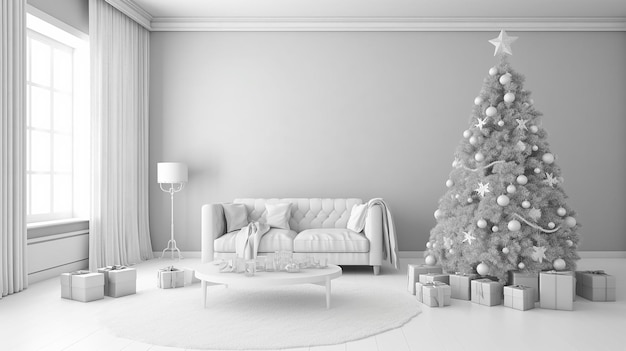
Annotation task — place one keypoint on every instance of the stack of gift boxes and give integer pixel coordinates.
(552, 289)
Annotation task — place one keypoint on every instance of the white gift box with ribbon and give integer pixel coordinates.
(486, 292)
(519, 297)
(170, 277)
(556, 290)
(414, 271)
(82, 286)
(119, 280)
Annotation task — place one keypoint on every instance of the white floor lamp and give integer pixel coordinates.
(174, 174)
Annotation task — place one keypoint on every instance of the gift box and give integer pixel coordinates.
(595, 285)
(460, 283)
(519, 297)
(435, 277)
(119, 280)
(419, 293)
(556, 290)
(413, 272)
(436, 294)
(82, 286)
(486, 292)
(170, 277)
(528, 279)
(190, 276)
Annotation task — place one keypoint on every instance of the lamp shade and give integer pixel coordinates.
(171, 172)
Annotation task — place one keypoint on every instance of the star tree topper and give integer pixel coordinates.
(503, 43)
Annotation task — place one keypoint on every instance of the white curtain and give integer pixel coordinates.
(119, 231)
(13, 270)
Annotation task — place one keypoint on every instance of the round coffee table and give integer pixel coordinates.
(209, 273)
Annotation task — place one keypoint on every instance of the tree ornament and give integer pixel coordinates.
(547, 158)
(520, 146)
(456, 163)
(478, 100)
(495, 229)
(561, 211)
(491, 111)
(430, 260)
(511, 189)
(514, 225)
(500, 123)
(535, 147)
(539, 253)
(468, 237)
(537, 170)
(503, 44)
(479, 157)
(550, 180)
(482, 189)
(505, 79)
(521, 123)
(493, 71)
(473, 140)
(559, 264)
(437, 213)
(482, 269)
(509, 97)
(522, 179)
(434, 245)
(449, 183)
(481, 223)
(526, 204)
(503, 200)
(521, 265)
(551, 225)
(569, 242)
(534, 129)
(470, 200)
(481, 122)
(429, 245)
(534, 214)
(451, 251)
(447, 242)
(505, 250)
(570, 221)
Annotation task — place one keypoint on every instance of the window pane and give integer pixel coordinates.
(40, 63)
(62, 153)
(40, 151)
(62, 112)
(62, 70)
(40, 108)
(40, 195)
(62, 193)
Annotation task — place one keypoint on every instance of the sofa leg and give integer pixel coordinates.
(376, 270)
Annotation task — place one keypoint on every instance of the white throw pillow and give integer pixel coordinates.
(357, 218)
(236, 216)
(278, 215)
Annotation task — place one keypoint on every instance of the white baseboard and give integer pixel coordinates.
(56, 271)
(582, 254)
(185, 254)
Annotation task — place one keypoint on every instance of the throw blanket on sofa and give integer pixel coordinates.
(390, 242)
(248, 239)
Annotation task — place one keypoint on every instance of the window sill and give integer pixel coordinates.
(62, 226)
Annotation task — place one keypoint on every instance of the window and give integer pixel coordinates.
(57, 137)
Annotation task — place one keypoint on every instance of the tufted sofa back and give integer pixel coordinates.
(306, 213)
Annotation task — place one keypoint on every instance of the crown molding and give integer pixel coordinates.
(393, 24)
(134, 11)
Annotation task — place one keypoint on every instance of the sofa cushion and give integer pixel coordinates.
(330, 240)
(274, 240)
(236, 216)
(278, 215)
(357, 218)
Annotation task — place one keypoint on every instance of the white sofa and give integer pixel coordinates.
(317, 227)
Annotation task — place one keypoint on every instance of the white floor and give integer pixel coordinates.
(38, 319)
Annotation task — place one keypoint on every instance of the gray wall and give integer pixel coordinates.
(374, 115)
(72, 12)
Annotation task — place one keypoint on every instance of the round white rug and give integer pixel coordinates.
(268, 318)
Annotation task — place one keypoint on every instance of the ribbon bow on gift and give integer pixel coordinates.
(440, 293)
(115, 267)
(522, 287)
(79, 272)
(599, 272)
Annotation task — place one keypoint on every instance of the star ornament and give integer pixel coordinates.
(503, 44)
(551, 180)
(521, 124)
(539, 253)
(482, 189)
(468, 237)
(481, 122)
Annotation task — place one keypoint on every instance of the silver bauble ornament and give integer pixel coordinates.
(500, 123)
(482, 269)
(511, 189)
(537, 170)
(547, 158)
(570, 221)
(559, 264)
(467, 133)
(561, 211)
(491, 111)
(437, 213)
(478, 100)
(526, 204)
(505, 79)
(503, 200)
(505, 250)
(449, 183)
(481, 223)
(533, 129)
(495, 229)
(521, 265)
(429, 245)
(479, 157)
(493, 71)
(514, 225)
(569, 242)
(551, 225)
(473, 140)
(535, 147)
(430, 260)
(509, 97)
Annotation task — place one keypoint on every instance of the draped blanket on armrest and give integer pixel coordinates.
(248, 239)
(390, 242)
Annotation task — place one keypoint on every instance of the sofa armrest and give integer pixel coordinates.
(213, 226)
(374, 233)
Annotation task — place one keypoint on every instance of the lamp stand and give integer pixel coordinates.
(171, 244)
